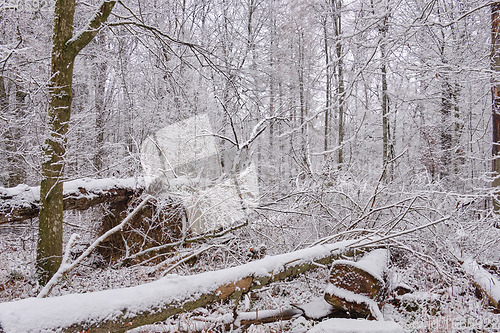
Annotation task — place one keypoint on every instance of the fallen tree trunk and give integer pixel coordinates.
(122, 309)
(23, 202)
(486, 283)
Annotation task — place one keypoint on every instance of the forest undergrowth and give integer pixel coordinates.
(322, 208)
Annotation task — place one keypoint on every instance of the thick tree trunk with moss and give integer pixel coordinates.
(495, 94)
(65, 47)
(49, 248)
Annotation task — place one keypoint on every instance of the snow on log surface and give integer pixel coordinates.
(22, 202)
(485, 281)
(316, 309)
(351, 302)
(341, 325)
(373, 263)
(122, 309)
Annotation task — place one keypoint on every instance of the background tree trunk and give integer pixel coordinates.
(337, 7)
(100, 76)
(495, 94)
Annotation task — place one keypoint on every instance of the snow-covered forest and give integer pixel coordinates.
(250, 165)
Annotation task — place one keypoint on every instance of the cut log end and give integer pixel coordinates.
(355, 279)
(354, 287)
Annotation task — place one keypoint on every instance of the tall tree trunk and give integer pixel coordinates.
(458, 150)
(64, 50)
(446, 130)
(386, 132)
(49, 249)
(328, 94)
(495, 94)
(17, 170)
(100, 76)
(337, 6)
(303, 107)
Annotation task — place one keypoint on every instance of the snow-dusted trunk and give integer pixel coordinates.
(65, 47)
(495, 94)
(484, 281)
(337, 5)
(16, 169)
(386, 150)
(49, 249)
(328, 94)
(100, 76)
(22, 202)
(122, 309)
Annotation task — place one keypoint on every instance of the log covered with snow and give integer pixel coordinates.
(355, 286)
(122, 309)
(487, 284)
(23, 202)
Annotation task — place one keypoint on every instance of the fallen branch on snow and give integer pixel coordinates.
(122, 309)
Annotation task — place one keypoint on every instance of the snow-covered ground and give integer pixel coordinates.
(436, 303)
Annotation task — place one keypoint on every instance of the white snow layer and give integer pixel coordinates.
(316, 309)
(355, 298)
(484, 279)
(342, 325)
(47, 314)
(23, 195)
(373, 263)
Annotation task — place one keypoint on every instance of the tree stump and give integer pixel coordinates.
(355, 286)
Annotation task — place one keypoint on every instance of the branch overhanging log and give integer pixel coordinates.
(66, 266)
